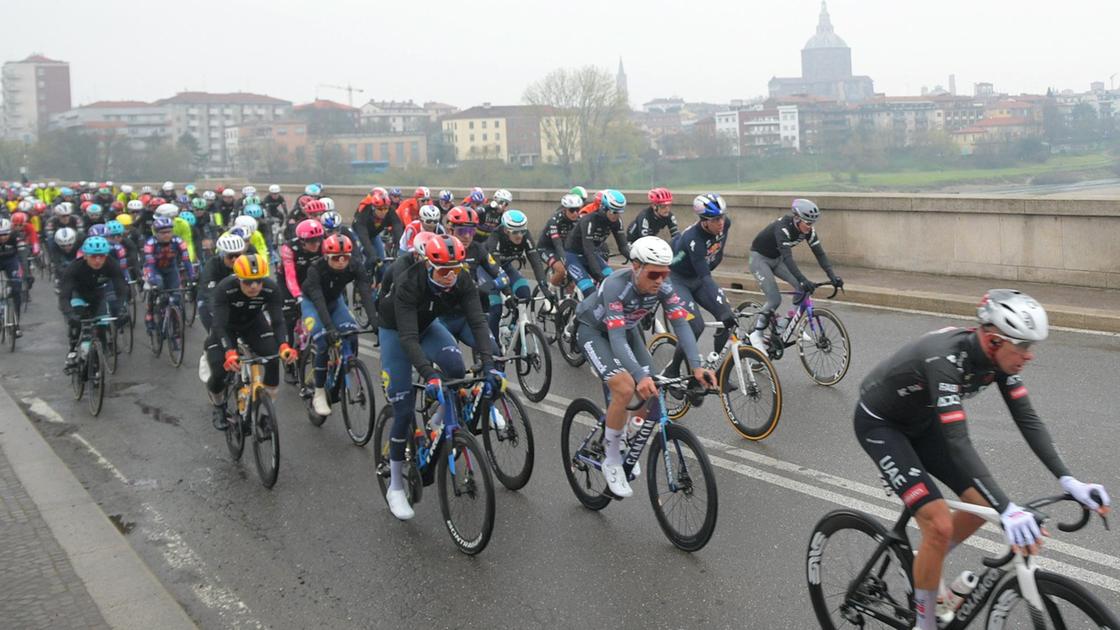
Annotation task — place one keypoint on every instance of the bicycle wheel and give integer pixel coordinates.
(176, 335)
(134, 297)
(305, 370)
(661, 349)
(1067, 604)
(824, 346)
(683, 498)
(12, 317)
(127, 336)
(583, 424)
(752, 401)
(359, 408)
(155, 336)
(77, 379)
(841, 546)
(544, 314)
(112, 350)
(190, 309)
(235, 430)
(509, 448)
(567, 343)
(266, 439)
(534, 369)
(466, 493)
(96, 370)
(359, 312)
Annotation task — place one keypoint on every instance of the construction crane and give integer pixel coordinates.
(349, 89)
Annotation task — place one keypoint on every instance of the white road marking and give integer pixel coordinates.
(40, 408)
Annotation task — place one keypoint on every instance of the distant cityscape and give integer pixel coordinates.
(242, 133)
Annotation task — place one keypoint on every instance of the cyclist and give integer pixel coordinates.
(164, 253)
(306, 208)
(248, 226)
(428, 222)
(446, 201)
(394, 199)
(27, 238)
(373, 218)
(94, 214)
(608, 320)
(104, 196)
(274, 205)
(911, 422)
(772, 255)
(89, 286)
(552, 237)
(296, 258)
(12, 267)
(480, 264)
(116, 251)
(697, 253)
(64, 251)
(167, 191)
(656, 217)
(509, 244)
(225, 207)
(333, 224)
(230, 246)
(475, 199)
(585, 264)
(409, 210)
(114, 233)
(246, 306)
(412, 337)
(490, 215)
(325, 313)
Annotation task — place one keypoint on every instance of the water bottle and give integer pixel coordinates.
(713, 357)
(85, 348)
(632, 426)
(949, 601)
(784, 321)
(497, 418)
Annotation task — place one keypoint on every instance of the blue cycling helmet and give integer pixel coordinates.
(477, 196)
(313, 189)
(95, 246)
(162, 223)
(94, 209)
(97, 229)
(709, 206)
(237, 231)
(189, 218)
(613, 201)
(395, 192)
(66, 191)
(116, 228)
(445, 195)
(183, 199)
(515, 221)
(190, 188)
(331, 220)
(254, 211)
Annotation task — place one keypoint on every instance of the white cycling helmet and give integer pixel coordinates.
(52, 184)
(248, 190)
(109, 183)
(228, 192)
(328, 202)
(64, 209)
(651, 250)
(135, 205)
(168, 210)
(65, 237)
(230, 244)
(571, 202)
(126, 189)
(209, 195)
(247, 223)
(168, 186)
(145, 190)
(274, 189)
(1015, 314)
(429, 214)
(25, 206)
(503, 196)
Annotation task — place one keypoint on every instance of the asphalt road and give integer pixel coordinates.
(322, 550)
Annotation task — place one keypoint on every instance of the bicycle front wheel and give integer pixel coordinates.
(661, 349)
(534, 367)
(112, 349)
(11, 317)
(96, 370)
(751, 393)
(508, 438)
(266, 439)
(126, 337)
(824, 346)
(176, 336)
(843, 543)
(466, 494)
(359, 408)
(682, 488)
(190, 308)
(77, 378)
(235, 430)
(581, 443)
(565, 327)
(1066, 604)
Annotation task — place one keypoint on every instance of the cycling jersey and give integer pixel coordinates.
(213, 273)
(919, 391)
(81, 280)
(697, 252)
(368, 227)
(589, 235)
(233, 310)
(410, 232)
(182, 230)
(119, 253)
(409, 210)
(506, 252)
(225, 212)
(159, 257)
(295, 261)
(489, 219)
(778, 239)
(649, 223)
(56, 223)
(556, 229)
(324, 285)
(274, 206)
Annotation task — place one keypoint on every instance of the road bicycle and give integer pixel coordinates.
(348, 384)
(566, 324)
(749, 388)
(680, 478)
(190, 301)
(441, 449)
(168, 325)
(252, 414)
(90, 374)
(821, 338)
(524, 343)
(9, 316)
(860, 575)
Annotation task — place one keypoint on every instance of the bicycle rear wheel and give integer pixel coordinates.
(581, 440)
(682, 489)
(176, 335)
(77, 378)
(155, 335)
(305, 370)
(1066, 603)
(235, 430)
(661, 349)
(510, 447)
(96, 370)
(112, 350)
(567, 342)
(266, 439)
(190, 308)
(359, 407)
(840, 547)
(466, 493)
(534, 369)
(11, 317)
(824, 346)
(127, 336)
(752, 399)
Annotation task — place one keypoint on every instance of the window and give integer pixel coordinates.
(353, 150)
(369, 152)
(471, 124)
(400, 152)
(472, 137)
(281, 131)
(497, 123)
(484, 124)
(484, 137)
(415, 151)
(385, 151)
(497, 136)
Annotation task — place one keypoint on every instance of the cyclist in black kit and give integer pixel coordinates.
(911, 422)
(551, 241)
(585, 261)
(658, 216)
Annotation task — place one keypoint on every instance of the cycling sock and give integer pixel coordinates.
(612, 439)
(925, 603)
(396, 475)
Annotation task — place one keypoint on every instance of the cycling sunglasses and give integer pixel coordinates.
(657, 275)
(463, 231)
(341, 257)
(1021, 344)
(251, 283)
(444, 272)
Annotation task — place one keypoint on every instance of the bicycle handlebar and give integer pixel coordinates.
(676, 382)
(1034, 506)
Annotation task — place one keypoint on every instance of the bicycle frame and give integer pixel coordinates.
(638, 442)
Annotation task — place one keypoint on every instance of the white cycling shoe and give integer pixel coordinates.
(398, 504)
(758, 341)
(616, 481)
(319, 402)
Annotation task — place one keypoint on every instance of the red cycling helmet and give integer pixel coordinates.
(39, 207)
(462, 216)
(314, 207)
(85, 204)
(337, 244)
(309, 229)
(660, 197)
(422, 193)
(117, 206)
(85, 197)
(19, 219)
(379, 198)
(445, 251)
(156, 202)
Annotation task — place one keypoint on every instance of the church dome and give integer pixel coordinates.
(825, 36)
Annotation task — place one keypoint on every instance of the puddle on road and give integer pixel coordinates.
(123, 526)
(132, 388)
(158, 414)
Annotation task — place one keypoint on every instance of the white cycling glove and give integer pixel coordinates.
(1080, 491)
(1019, 526)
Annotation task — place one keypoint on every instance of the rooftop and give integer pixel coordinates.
(825, 36)
(115, 104)
(324, 104)
(500, 111)
(39, 58)
(207, 98)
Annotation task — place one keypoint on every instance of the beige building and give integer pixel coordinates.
(517, 134)
(394, 150)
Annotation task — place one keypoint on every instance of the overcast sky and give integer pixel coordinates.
(467, 52)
